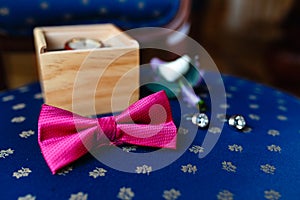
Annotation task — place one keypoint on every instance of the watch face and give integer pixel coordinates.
(83, 43)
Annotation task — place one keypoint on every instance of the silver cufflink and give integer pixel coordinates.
(237, 121)
(199, 119)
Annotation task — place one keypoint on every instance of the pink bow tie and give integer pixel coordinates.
(64, 137)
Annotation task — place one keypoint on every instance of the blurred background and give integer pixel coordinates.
(253, 39)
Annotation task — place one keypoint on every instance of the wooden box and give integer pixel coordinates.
(88, 81)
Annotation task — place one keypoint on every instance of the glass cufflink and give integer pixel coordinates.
(199, 119)
(237, 121)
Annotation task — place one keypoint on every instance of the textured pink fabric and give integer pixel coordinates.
(64, 137)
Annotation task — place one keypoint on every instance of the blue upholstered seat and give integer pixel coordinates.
(20, 17)
(261, 162)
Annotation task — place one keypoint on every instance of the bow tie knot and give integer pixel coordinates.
(108, 127)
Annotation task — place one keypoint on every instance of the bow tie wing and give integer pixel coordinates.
(148, 122)
(153, 109)
(60, 140)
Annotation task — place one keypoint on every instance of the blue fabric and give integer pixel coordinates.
(20, 17)
(260, 163)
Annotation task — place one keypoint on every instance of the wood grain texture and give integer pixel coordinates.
(91, 81)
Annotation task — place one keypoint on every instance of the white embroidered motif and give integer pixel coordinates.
(27, 197)
(6, 153)
(235, 147)
(225, 195)
(254, 117)
(8, 98)
(26, 134)
(183, 131)
(222, 117)
(129, 149)
(79, 196)
(254, 106)
(24, 172)
(214, 130)
(65, 171)
(224, 106)
(281, 101)
(44, 5)
(196, 149)
(38, 96)
(19, 106)
(4, 11)
(97, 172)
(252, 97)
(282, 108)
(272, 195)
(189, 168)
(268, 169)
(85, 2)
(125, 193)
(232, 88)
(273, 132)
(102, 10)
(274, 148)
(228, 166)
(19, 119)
(144, 169)
(141, 5)
(23, 89)
(171, 194)
(282, 118)
(228, 95)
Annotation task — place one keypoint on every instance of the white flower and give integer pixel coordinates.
(214, 130)
(224, 106)
(5, 153)
(125, 193)
(19, 106)
(254, 117)
(65, 171)
(274, 148)
(171, 194)
(97, 172)
(129, 149)
(228, 166)
(27, 197)
(268, 169)
(272, 195)
(273, 132)
(38, 96)
(235, 147)
(225, 195)
(196, 149)
(282, 118)
(26, 134)
(79, 196)
(8, 98)
(144, 169)
(254, 106)
(18, 119)
(282, 108)
(22, 173)
(189, 168)
(183, 131)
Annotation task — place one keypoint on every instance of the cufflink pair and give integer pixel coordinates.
(201, 120)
